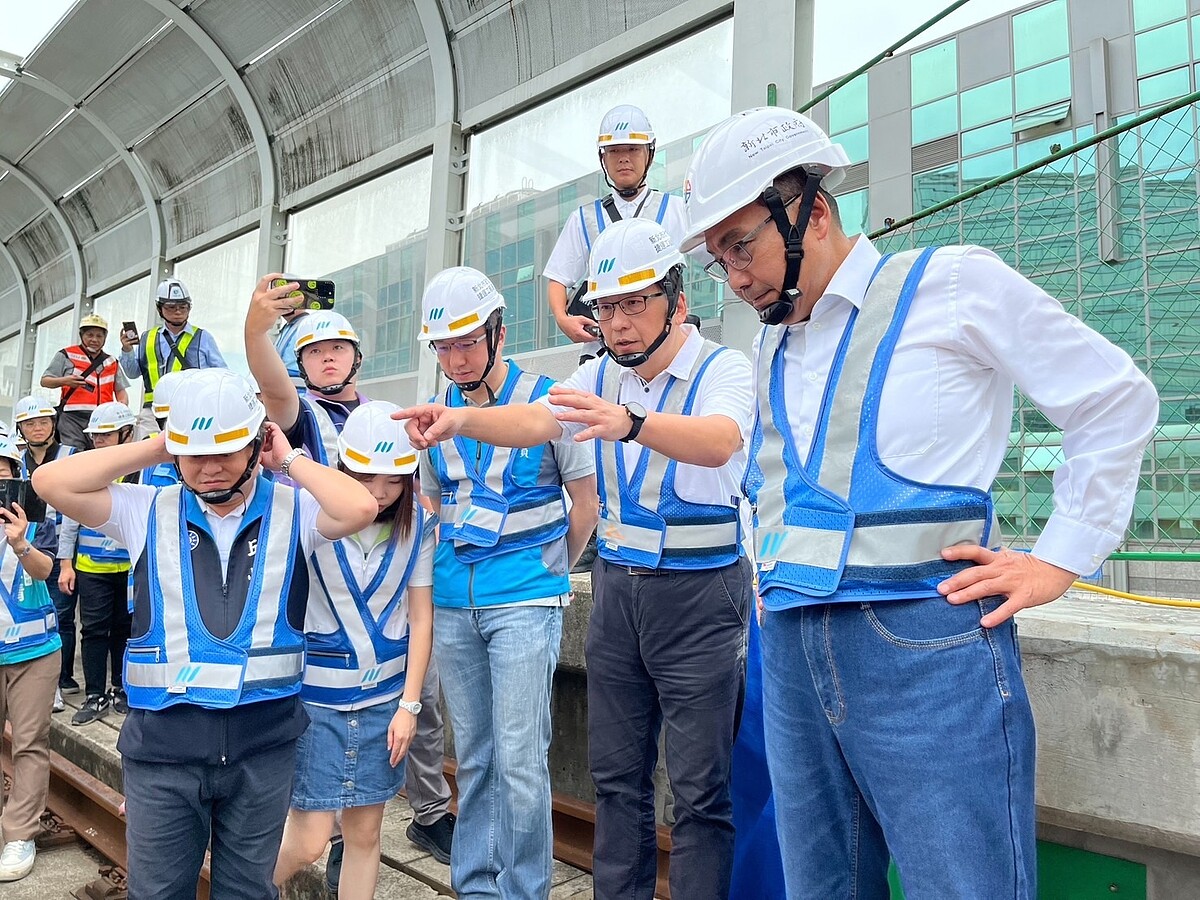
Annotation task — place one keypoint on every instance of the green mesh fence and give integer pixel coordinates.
(1110, 225)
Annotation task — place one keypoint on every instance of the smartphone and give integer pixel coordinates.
(314, 293)
(16, 490)
(129, 329)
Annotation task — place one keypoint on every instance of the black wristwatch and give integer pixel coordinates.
(637, 415)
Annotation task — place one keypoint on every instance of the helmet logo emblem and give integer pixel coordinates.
(435, 314)
(202, 423)
(385, 446)
(606, 265)
(622, 126)
(687, 189)
(322, 325)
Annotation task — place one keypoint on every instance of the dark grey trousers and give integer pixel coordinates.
(665, 650)
(174, 811)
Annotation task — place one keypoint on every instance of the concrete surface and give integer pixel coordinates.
(56, 873)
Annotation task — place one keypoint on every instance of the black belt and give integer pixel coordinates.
(637, 570)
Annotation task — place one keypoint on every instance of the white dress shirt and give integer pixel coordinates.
(975, 330)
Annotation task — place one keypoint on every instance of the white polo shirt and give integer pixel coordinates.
(726, 389)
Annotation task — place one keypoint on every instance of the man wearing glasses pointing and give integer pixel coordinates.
(666, 643)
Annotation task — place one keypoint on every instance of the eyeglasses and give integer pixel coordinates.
(443, 348)
(176, 304)
(736, 256)
(631, 306)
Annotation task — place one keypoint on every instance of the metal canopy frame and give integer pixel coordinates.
(768, 35)
(47, 201)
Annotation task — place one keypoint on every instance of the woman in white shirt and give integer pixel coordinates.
(368, 635)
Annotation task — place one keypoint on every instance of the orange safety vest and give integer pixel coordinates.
(103, 380)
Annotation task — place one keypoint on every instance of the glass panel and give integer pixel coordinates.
(684, 89)
(848, 106)
(9, 351)
(853, 210)
(126, 304)
(1040, 35)
(987, 103)
(934, 186)
(1169, 142)
(987, 137)
(1030, 151)
(1162, 48)
(371, 242)
(221, 281)
(990, 165)
(1161, 88)
(855, 143)
(1043, 85)
(52, 336)
(1148, 13)
(935, 120)
(934, 72)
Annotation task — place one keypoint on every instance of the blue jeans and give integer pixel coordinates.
(497, 667)
(900, 728)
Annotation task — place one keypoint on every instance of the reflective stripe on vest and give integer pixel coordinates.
(21, 627)
(487, 512)
(102, 380)
(593, 219)
(359, 662)
(327, 450)
(155, 370)
(179, 660)
(95, 547)
(842, 526)
(643, 520)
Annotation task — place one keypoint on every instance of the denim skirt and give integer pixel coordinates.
(342, 759)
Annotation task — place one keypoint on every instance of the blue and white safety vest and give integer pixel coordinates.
(643, 520)
(495, 516)
(321, 424)
(359, 665)
(160, 475)
(98, 548)
(178, 660)
(593, 219)
(841, 526)
(21, 627)
(487, 510)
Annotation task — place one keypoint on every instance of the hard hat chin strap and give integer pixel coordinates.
(628, 193)
(216, 498)
(330, 389)
(671, 285)
(793, 245)
(492, 329)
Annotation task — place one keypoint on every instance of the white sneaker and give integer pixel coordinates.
(58, 706)
(17, 860)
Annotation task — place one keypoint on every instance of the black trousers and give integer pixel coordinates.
(64, 608)
(104, 624)
(665, 650)
(174, 810)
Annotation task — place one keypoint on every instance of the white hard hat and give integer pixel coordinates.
(33, 408)
(374, 443)
(457, 301)
(111, 416)
(213, 411)
(165, 389)
(740, 158)
(93, 320)
(172, 289)
(324, 325)
(8, 450)
(624, 124)
(628, 255)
